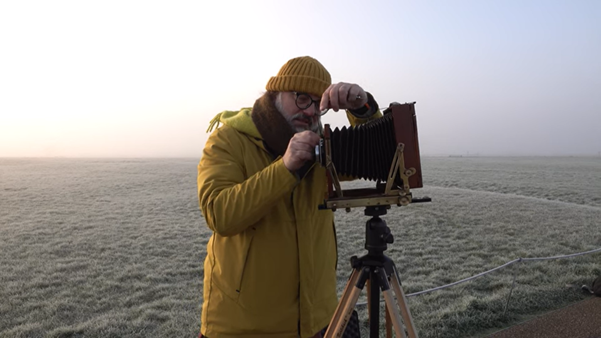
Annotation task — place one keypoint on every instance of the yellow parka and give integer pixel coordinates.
(270, 268)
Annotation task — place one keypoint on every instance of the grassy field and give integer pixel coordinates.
(114, 248)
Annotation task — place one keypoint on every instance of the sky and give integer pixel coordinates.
(144, 78)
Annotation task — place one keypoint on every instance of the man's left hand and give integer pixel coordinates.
(343, 95)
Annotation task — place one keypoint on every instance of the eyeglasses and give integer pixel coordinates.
(304, 101)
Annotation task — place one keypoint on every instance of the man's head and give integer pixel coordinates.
(300, 84)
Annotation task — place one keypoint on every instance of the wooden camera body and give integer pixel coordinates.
(385, 150)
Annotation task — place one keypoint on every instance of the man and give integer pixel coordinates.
(270, 269)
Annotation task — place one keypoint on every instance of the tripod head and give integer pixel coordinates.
(377, 233)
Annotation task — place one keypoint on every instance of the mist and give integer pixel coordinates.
(144, 80)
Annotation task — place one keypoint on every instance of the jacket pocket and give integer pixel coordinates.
(230, 256)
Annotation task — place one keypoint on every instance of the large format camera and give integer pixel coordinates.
(385, 150)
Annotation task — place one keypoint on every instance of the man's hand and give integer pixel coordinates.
(343, 96)
(301, 149)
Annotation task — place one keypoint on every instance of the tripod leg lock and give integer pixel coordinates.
(382, 278)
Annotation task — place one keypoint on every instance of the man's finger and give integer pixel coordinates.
(308, 134)
(343, 95)
(355, 93)
(334, 101)
(325, 99)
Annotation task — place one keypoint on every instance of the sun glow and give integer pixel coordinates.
(112, 78)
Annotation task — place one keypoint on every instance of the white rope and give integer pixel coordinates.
(494, 269)
(564, 256)
(463, 280)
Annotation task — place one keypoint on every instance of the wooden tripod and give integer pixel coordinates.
(380, 273)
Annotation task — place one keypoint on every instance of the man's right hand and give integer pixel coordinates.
(301, 149)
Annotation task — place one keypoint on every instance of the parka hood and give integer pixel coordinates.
(240, 120)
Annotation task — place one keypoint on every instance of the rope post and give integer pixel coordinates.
(512, 287)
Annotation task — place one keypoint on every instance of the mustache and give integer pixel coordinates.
(312, 122)
(303, 117)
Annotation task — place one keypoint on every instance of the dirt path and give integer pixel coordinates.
(580, 320)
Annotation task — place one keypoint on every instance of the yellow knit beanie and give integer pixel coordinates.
(301, 74)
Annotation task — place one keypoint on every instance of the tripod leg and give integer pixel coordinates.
(388, 324)
(391, 305)
(394, 313)
(402, 302)
(344, 298)
(348, 300)
(368, 301)
(374, 305)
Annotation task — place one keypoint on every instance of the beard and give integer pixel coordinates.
(312, 124)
